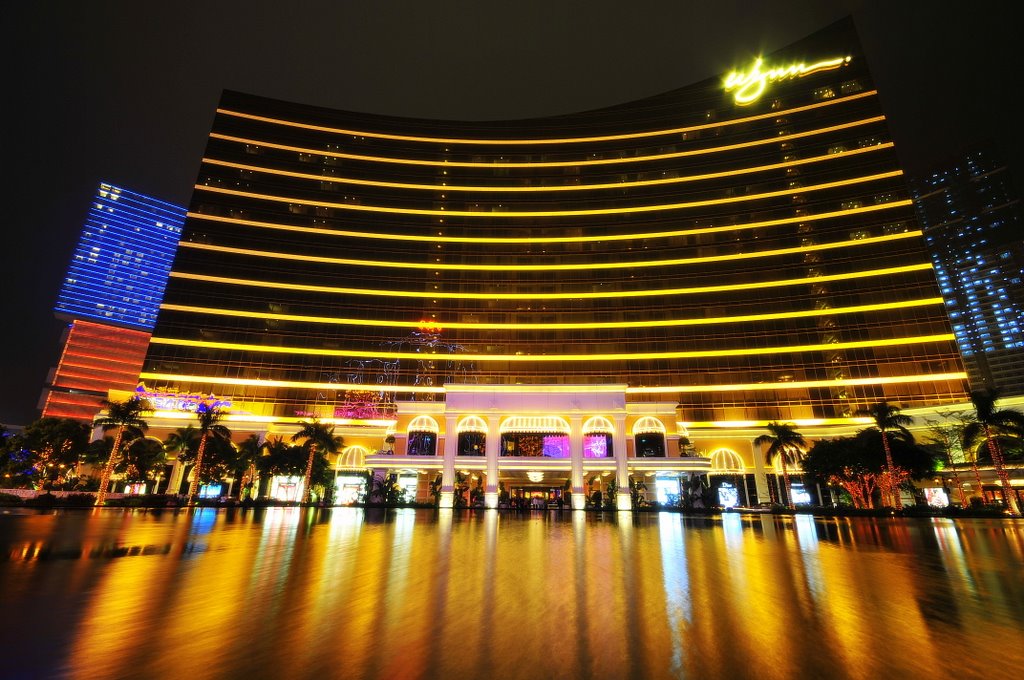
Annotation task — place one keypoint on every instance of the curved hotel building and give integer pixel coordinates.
(554, 303)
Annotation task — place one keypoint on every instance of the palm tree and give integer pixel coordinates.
(887, 418)
(209, 417)
(279, 458)
(991, 424)
(249, 453)
(126, 416)
(319, 437)
(788, 444)
(945, 437)
(141, 459)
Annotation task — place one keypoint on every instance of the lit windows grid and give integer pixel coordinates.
(460, 188)
(120, 266)
(500, 157)
(694, 248)
(737, 301)
(316, 194)
(658, 371)
(973, 233)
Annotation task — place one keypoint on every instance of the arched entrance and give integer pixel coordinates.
(472, 434)
(728, 478)
(422, 439)
(535, 437)
(649, 438)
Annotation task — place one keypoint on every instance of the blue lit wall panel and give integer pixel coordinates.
(120, 267)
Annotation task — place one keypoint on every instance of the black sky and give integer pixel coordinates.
(124, 92)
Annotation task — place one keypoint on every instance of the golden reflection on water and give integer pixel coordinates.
(347, 593)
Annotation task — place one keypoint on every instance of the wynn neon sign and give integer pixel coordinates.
(750, 85)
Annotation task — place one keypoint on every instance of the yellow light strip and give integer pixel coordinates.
(662, 323)
(174, 378)
(551, 164)
(564, 140)
(553, 239)
(249, 382)
(799, 385)
(339, 290)
(551, 213)
(252, 418)
(544, 189)
(751, 424)
(612, 356)
(391, 264)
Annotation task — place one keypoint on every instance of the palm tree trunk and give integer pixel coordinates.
(101, 495)
(194, 486)
(785, 482)
(977, 475)
(309, 474)
(1009, 498)
(956, 480)
(960, 490)
(889, 472)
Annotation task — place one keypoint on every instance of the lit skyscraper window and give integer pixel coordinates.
(971, 219)
(119, 269)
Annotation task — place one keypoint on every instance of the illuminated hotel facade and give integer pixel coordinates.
(563, 301)
(110, 298)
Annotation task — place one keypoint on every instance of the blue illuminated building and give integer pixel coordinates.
(120, 267)
(970, 213)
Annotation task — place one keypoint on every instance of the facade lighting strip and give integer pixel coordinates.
(442, 238)
(551, 213)
(799, 384)
(338, 290)
(552, 140)
(545, 189)
(174, 378)
(588, 266)
(586, 358)
(660, 323)
(545, 164)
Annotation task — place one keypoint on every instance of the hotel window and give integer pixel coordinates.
(850, 86)
(422, 444)
(649, 445)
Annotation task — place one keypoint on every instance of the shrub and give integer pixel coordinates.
(78, 500)
(9, 499)
(45, 500)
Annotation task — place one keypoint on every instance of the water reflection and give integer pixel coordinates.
(304, 593)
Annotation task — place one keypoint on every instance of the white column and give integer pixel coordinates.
(760, 477)
(174, 481)
(451, 446)
(622, 499)
(579, 497)
(492, 447)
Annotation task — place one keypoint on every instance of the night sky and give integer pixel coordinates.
(125, 92)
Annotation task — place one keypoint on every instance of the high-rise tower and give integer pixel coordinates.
(639, 282)
(110, 297)
(972, 224)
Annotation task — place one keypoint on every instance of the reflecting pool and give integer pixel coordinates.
(348, 593)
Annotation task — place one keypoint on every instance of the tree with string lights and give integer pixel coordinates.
(208, 416)
(992, 424)
(317, 438)
(127, 417)
(889, 421)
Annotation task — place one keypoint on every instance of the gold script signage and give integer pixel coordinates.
(749, 85)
